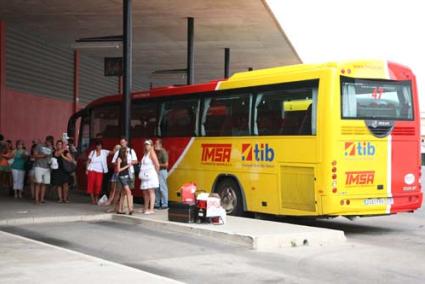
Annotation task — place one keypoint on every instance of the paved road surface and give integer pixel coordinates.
(388, 249)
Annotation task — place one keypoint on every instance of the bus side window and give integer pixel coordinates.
(287, 111)
(179, 118)
(105, 121)
(84, 139)
(226, 116)
(144, 120)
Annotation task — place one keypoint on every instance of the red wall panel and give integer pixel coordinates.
(31, 117)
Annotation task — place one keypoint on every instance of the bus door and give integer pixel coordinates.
(178, 123)
(79, 126)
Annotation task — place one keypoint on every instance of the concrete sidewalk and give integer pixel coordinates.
(251, 233)
(25, 211)
(27, 261)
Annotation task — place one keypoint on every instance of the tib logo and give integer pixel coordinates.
(257, 152)
(359, 149)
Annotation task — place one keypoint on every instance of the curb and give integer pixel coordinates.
(238, 239)
(55, 219)
(310, 236)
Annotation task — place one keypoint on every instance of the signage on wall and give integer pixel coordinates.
(113, 66)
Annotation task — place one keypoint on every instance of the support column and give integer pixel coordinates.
(226, 62)
(2, 77)
(190, 54)
(127, 67)
(76, 97)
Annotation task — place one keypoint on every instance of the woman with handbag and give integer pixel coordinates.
(61, 176)
(97, 165)
(149, 168)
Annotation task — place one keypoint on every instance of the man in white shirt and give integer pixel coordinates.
(131, 158)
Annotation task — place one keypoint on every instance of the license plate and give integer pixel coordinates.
(378, 201)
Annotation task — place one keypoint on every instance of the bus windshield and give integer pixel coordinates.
(376, 99)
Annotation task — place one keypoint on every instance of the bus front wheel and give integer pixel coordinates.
(231, 198)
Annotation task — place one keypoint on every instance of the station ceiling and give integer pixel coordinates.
(247, 27)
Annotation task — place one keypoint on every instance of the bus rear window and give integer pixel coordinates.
(376, 99)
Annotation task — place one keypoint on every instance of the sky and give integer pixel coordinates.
(330, 30)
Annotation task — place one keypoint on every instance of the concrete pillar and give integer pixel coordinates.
(2, 77)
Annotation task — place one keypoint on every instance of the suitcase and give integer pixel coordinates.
(187, 193)
(181, 212)
(125, 205)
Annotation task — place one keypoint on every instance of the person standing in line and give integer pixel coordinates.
(30, 169)
(149, 168)
(113, 194)
(74, 153)
(5, 172)
(123, 171)
(20, 156)
(42, 154)
(131, 159)
(97, 165)
(60, 177)
(161, 199)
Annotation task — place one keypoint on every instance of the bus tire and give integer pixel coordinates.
(231, 197)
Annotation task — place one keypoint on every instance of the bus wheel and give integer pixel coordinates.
(231, 198)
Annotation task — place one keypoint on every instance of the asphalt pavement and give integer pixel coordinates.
(388, 249)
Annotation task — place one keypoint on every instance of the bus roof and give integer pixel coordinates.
(378, 69)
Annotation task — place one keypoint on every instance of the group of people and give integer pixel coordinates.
(51, 164)
(46, 164)
(151, 170)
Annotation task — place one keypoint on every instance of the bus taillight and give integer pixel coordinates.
(334, 184)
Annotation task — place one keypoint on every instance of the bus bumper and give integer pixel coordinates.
(362, 205)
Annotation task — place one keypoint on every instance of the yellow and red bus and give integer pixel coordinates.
(333, 139)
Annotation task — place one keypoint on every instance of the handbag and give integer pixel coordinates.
(29, 164)
(145, 174)
(54, 165)
(136, 169)
(69, 167)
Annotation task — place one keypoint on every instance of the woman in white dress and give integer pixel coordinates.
(149, 168)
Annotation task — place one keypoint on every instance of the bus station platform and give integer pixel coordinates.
(251, 233)
(25, 260)
(247, 232)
